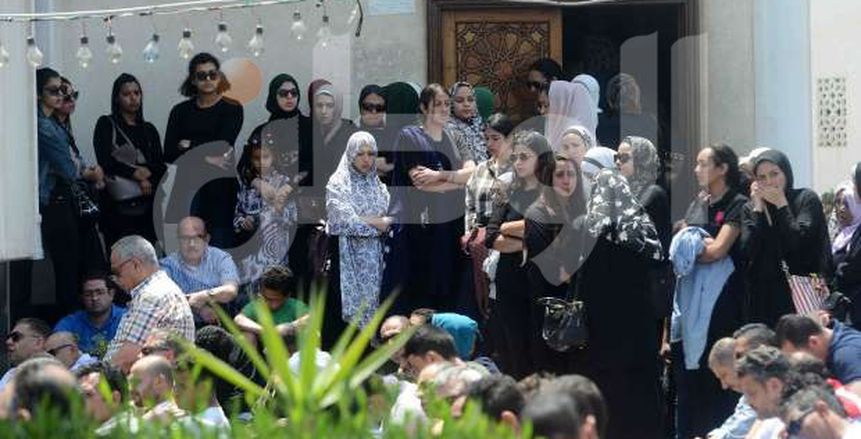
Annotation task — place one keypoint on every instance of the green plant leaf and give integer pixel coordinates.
(223, 369)
(239, 337)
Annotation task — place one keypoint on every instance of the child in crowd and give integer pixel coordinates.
(288, 313)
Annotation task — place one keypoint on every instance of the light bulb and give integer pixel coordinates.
(223, 39)
(324, 32)
(34, 55)
(84, 54)
(185, 46)
(298, 27)
(4, 55)
(256, 43)
(150, 51)
(114, 51)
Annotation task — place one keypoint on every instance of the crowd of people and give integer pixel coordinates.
(467, 219)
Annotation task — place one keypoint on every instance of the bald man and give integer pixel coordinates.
(151, 383)
(205, 274)
(64, 347)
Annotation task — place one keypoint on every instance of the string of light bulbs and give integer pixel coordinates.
(185, 46)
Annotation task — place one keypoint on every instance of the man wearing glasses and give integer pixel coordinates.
(64, 347)
(96, 324)
(26, 341)
(815, 413)
(157, 302)
(205, 274)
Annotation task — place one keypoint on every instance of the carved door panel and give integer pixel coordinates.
(494, 48)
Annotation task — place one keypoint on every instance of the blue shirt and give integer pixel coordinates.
(91, 339)
(216, 269)
(844, 354)
(54, 156)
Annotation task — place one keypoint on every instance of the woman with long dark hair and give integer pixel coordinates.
(208, 119)
(551, 243)
(129, 149)
(57, 173)
(505, 232)
(782, 224)
(719, 210)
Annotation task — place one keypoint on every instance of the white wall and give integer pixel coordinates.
(391, 48)
(19, 198)
(834, 53)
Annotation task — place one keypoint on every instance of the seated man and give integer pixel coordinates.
(499, 398)
(428, 345)
(591, 407)
(199, 397)
(27, 340)
(762, 373)
(553, 415)
(839, 348)
(815, 413)
(391, 328)
(64, 347)
(165, 344)
(152, 384)
(44, 388)
(722, 365)
(108, 413)
(289, 314)
(205, 274)
(752, 336)
(96, 324)
(157, 302)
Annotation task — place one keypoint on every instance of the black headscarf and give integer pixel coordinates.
(372, 89)
(275, 111)
(778, 158)
(122, 80)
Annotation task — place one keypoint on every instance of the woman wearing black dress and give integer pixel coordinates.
(505, 233)
(781, 224)
(129, 149)
(211, 122)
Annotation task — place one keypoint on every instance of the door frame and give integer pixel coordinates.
(688, 105)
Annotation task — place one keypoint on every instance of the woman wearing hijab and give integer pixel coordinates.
(846, 247)
(576, 141)
(402, 108)
(570, 104)
(637, 159)
(782, 224)
(485, 100)
(504, 233)
(619, 244)
(287, 126)
(356, 203)
(129, 150)
(466, 125)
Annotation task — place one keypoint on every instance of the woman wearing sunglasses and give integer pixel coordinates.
(57, 173)
(373, 118)
(504, 233)
(210, 120)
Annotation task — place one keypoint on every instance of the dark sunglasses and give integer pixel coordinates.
(522, 157)
(58, 349)
(560, 174)
(211, 75)
(282, 93)
(534, 85)
(72, 96)
(622, 158)
(374, 108)
(54, 91)
(17, 336)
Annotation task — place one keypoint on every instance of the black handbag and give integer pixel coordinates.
(564, 325)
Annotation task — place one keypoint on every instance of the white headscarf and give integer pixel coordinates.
(351, 195)
(592, 85)
(570, 104)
